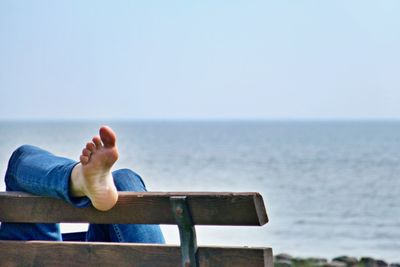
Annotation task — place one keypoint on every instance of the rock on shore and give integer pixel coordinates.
(286, 260)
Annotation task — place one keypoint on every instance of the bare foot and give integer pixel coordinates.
(92, 177)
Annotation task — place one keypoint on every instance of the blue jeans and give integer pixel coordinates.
(36, 171)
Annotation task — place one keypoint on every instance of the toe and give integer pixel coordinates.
(91, 146)
(84, 159)
(86, 152)
(97, 141)
(108, 136)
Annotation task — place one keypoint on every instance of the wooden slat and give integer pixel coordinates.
(42, 253)
(153, 208)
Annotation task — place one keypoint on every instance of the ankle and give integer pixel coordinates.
(76, 182)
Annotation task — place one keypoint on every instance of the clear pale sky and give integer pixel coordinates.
(199, 59)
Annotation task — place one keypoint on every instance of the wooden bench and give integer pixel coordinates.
(183, 209)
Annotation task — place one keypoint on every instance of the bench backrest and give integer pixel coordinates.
(138, 208)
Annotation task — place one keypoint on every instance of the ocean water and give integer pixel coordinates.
(331, 188)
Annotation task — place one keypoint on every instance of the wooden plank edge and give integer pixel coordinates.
(142, 194)
(260, 209)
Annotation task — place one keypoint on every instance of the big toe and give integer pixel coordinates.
(108, 137)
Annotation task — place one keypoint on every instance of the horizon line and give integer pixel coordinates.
(332, 119)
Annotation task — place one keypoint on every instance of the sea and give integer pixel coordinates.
(330, 188)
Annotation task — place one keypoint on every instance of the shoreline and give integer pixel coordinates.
(287, 260)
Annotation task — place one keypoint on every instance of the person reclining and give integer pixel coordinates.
(87, 182)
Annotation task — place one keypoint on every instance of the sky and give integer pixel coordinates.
(332, 59)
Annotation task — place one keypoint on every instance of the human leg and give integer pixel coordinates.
(36, 171)
(39, 172)
(126, 180)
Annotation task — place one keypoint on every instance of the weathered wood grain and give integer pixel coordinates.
(67, 254)
(151, 208)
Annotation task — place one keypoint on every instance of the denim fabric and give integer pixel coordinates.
(36, 171)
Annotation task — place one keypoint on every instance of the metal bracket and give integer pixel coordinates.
(187, 232)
